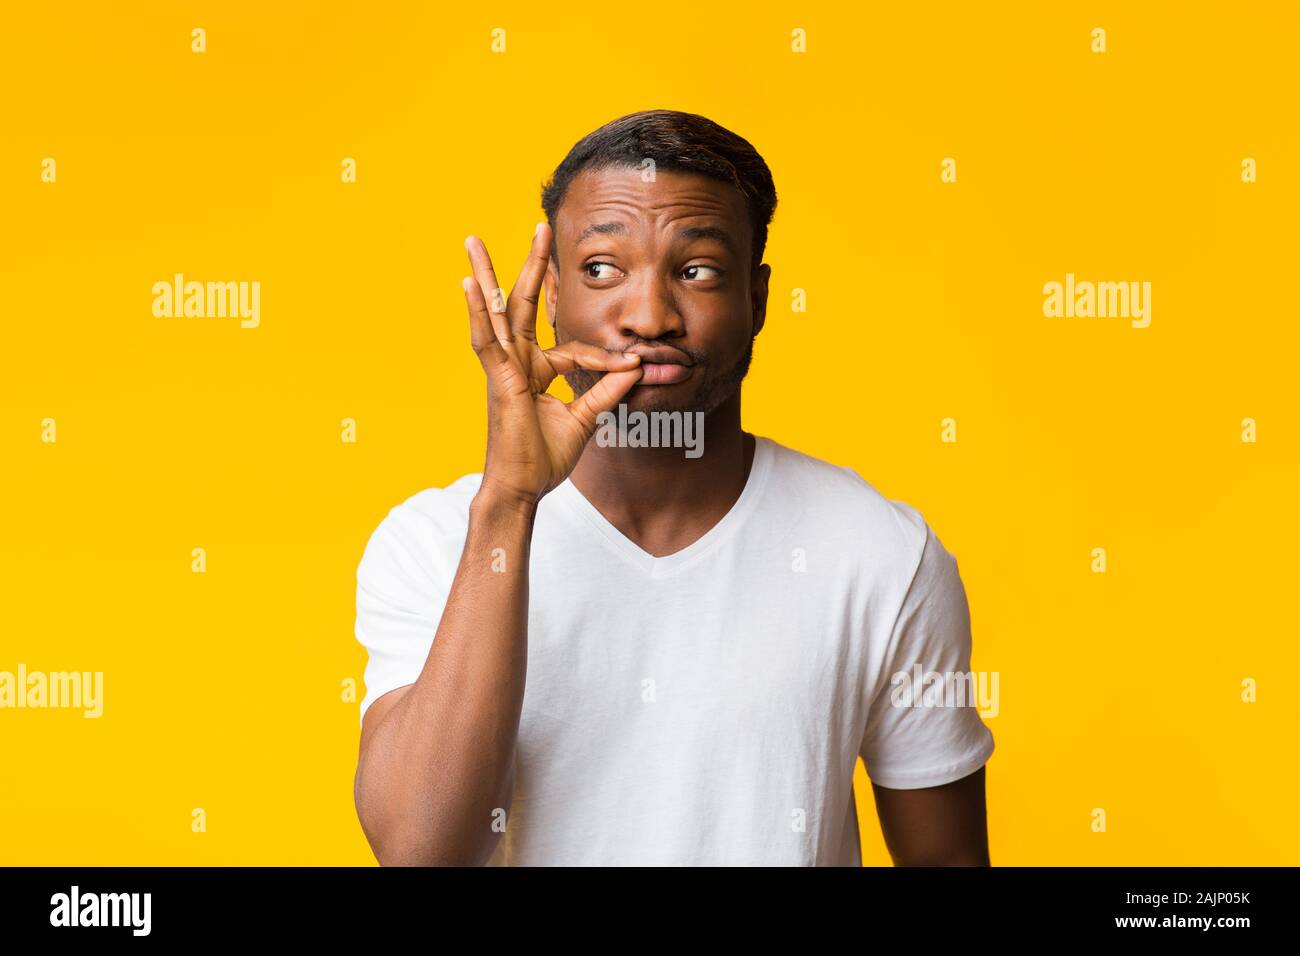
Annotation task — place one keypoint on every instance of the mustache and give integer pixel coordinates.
(697, 357)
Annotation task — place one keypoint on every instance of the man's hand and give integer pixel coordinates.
(534, 439)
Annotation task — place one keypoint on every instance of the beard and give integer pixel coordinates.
(711, 391)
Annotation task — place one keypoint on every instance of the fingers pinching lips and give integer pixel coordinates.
(494, 322)
(575, 355)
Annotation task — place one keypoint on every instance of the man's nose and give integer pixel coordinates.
(653, 313)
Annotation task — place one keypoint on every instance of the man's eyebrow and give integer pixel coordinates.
(708, 232)
(601, 229)
(688, 232)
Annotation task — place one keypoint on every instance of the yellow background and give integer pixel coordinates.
(1119, 691)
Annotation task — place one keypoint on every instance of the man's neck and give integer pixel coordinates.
(662, 500)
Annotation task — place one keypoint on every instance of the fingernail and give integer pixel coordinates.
(464, 283)
(538, 228)
(467, 240)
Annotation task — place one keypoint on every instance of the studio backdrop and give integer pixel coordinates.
(1032, 273)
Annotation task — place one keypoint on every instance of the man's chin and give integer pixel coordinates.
(691, 395)
(662, 398)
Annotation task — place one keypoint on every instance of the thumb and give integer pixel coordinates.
(603, 396)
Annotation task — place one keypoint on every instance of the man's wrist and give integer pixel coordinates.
(493, 501)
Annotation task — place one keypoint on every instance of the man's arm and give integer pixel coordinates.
(437, 756)
(935, 826)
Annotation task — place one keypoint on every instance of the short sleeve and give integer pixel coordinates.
(923, 725)
(403, 580)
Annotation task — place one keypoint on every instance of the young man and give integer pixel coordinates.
(602, 652)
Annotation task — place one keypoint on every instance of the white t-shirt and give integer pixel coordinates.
(707, 707)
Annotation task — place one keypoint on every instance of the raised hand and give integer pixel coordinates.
(534, 439)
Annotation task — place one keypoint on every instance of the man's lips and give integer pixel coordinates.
(662, 366)
(663, 373)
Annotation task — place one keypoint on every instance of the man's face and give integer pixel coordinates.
(662, 268)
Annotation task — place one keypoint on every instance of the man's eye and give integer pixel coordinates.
(693, 272)
(599, 265)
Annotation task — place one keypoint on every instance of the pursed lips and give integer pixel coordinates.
(662, 366)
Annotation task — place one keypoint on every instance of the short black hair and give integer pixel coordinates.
(686, 142)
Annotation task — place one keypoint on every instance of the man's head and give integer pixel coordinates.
(659, 221)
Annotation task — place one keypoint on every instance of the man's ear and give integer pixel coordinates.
(551, 281)
(758, 295)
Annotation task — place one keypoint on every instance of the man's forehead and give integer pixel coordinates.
(601, 194)
(608, 201)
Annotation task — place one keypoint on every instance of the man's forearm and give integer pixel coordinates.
(438, 771)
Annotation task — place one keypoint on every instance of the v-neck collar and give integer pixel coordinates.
(662, 566)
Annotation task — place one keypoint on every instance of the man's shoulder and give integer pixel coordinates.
(847, 499)
(430, 519)
(442, 503)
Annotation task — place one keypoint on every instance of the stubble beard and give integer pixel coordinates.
(715, 390)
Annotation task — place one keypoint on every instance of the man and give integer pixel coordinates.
(601, 652)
